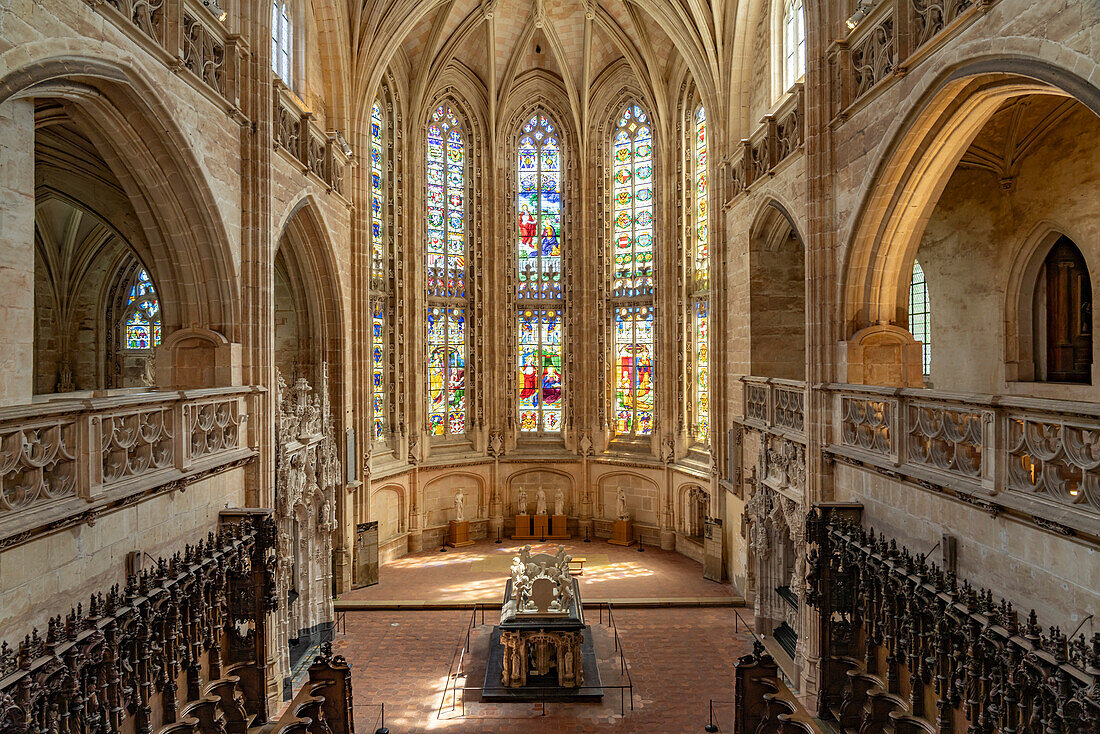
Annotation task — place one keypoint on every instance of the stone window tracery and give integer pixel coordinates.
(920, 316)
(140, 325)
(794, 42)
(539, 277)
(632, 306)
(446, 273)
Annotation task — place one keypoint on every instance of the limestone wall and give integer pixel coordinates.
(1058, 577)
(46, 576)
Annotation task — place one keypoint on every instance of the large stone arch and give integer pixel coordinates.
(189, 247)
(925, 149)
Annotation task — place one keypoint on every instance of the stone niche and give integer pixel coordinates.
(439, 498)
(642, 497)
(531, 480)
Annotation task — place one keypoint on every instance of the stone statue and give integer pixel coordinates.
(540, 501)
(521, 502)
(559, 502)
(620, 505)
(460, 505)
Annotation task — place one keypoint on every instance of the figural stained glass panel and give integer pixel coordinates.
(539, 330)
(632, 193)
(634, 370)
(378, 367)
(702, 372)
(377, 196)
(142, 315)
(446, 371)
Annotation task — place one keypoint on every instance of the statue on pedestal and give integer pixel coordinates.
(540, 501)
(620, 505)
(521, 502)
(559, 502)
(460, 505)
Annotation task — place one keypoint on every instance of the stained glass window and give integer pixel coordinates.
(633, 204)
(634, 370)
(920, 315)
(446, 371)
(538, 237)
(280, 40)
(701, 376)
(378, 366)
(702, 372)
(702, 236)
(446, 274)
(378, 196)
(141, 317)
(632, 285)
(794, 42)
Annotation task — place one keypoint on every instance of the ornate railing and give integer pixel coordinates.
(775, 405)
(63, 459)
(186, 35)
(324, 704)
(324, 155)
(779, 135)
(906, 647)
(1039, 458)
(894, 37)
(180, 646)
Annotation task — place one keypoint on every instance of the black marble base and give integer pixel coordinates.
(541, 688)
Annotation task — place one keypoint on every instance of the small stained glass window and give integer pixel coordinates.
(141, 320)
(920, 316)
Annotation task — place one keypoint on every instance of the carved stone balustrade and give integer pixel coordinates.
(180, 646)
(322, 155)
(1039, 459)
(894, 37)
(907, 647)
(64, 461)
(779, 136)
(189, 37)
(774, 405)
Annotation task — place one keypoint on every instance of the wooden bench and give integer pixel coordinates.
(576, 566)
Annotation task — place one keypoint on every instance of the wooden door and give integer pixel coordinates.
(1069, 315)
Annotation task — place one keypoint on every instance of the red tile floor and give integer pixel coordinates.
(678, 658)
(477, 573)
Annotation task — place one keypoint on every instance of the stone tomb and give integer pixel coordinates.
(542, 648)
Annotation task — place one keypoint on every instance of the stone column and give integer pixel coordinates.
(17, 251)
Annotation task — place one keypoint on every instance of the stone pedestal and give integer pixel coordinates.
(623, 533)
(458, 533)
(559, 528)
(542, 526)
(523, 528)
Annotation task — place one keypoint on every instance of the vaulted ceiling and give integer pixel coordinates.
(658, 44)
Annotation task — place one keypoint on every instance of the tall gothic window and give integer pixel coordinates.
(701, 281)
(920, 316)
(140, 324)
(794, 42)
(379, 306)
(446, 274)
(632, 290)
(539, 286)
(281, 40)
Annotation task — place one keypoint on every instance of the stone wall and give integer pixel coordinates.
(49, 574)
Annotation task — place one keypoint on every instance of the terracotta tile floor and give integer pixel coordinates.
(477, 573)
(678, 659)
